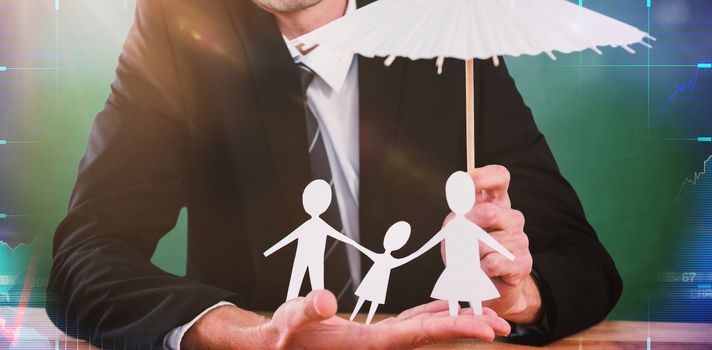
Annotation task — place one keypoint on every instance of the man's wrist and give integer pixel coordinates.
(532, 311)
(227, 327)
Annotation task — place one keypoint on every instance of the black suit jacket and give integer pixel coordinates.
(206, 112)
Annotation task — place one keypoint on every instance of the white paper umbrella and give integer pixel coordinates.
(469, 29)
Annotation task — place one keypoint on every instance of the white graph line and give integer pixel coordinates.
(696, 177)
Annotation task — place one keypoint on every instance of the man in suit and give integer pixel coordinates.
(210, 112)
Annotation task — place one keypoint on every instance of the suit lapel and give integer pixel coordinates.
(362, 3)
(276, 81)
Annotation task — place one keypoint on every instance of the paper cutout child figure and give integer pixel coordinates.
(311, 239)
(463, 278)
(374, 285)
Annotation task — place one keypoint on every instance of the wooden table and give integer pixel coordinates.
(606, 335)
(616, 335)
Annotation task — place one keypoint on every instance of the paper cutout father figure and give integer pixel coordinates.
(311, 239)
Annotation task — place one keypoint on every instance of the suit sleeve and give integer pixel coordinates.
(578, 279)
(130, 188)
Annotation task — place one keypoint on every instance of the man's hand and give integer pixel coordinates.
(519, 299)
(311, 323)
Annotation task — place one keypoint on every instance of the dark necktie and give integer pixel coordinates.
(337, 276)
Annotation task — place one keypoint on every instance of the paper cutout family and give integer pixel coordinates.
(462, 279)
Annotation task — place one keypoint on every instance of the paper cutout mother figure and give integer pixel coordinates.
(311, 239)
(463, 278)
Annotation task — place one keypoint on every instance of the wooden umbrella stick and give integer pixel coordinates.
(470, 110)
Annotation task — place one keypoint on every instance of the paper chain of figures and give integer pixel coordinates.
(461, 280)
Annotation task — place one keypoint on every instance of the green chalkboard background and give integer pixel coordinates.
(595, 118)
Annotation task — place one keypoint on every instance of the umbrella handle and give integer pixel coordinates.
(470, 112)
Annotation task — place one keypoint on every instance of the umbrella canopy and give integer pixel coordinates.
(467, 29)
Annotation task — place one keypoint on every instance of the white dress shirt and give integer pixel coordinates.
(333, 98)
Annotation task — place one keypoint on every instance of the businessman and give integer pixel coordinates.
(214, 110)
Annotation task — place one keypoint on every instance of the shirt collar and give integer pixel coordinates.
(330, 66)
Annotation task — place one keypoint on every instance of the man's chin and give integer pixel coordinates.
(286, 6)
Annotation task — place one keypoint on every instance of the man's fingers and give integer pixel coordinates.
(468, 311)
(324, 304)
(498, 324)
(448, 218)
(493, 181)
(492, 217)
(496, 265)
(445, 313)
(491, 177)
(317, 306)
(296, 315)
(514, 242)
(419, 332)
(431, 307)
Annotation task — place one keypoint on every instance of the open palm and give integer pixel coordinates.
(311, 323)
